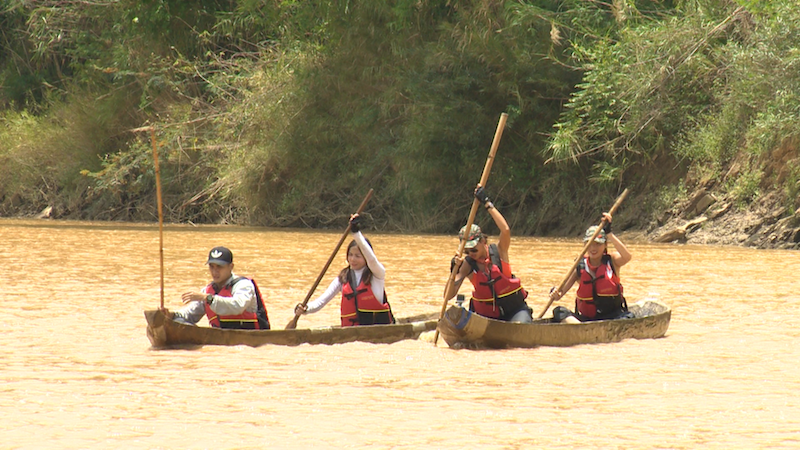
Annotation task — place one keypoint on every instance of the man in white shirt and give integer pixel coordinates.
(229, 301)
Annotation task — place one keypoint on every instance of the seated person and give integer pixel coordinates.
(361, 284)
(229, 301)
(599, 294)
(497, 293)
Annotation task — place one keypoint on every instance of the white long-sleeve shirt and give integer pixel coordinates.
(378, 281)
(243, 298)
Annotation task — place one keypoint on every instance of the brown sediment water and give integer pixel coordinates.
(78, 370)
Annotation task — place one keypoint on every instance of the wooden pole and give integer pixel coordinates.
(586, 247)
(473, 212)
(293, 323)
(160, 210)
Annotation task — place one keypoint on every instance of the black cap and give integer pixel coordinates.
(220, 256)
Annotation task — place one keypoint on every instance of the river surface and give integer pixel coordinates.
(78, 370)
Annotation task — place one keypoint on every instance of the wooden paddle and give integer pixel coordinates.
(473, 212)
(293, 323)
(586, 247)
(160, 210)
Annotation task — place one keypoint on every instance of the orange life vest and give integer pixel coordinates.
(360, 307)
(497, 294)
(246, 320)
(599, 294)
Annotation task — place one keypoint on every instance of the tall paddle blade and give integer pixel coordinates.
(160, 210)
(293, 323)
(473, 211)
(586, 247)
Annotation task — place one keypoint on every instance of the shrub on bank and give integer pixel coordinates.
(286, 113)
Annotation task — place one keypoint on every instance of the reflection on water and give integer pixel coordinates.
(78, 370)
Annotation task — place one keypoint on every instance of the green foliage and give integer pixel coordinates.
(744, 188)
(406, 100)
(123, 178)
(703, 83)
(792, 186)
(715, 139)
(287, 112)
(665, 197)
(41, 156)
(639, 87)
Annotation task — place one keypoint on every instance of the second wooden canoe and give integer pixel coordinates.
(461, 328)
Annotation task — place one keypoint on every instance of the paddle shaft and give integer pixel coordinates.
(293, 323)
(487, 168)
(586, 247)
(160, 210)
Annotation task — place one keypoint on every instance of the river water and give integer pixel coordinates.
(78, 370)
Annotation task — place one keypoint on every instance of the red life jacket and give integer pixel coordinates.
(498, 294)
(360, 307)
(246, 320)
(599, 293)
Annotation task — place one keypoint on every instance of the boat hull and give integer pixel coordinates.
(164, 332)
(461, 328)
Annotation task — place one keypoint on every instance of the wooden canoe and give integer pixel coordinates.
(164, 332)
(461, 328)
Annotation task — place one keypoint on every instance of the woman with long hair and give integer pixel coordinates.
(362, 284)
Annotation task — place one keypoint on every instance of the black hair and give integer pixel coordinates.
(344, 275)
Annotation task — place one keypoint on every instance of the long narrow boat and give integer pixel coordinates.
(461, 328)
(164, 332)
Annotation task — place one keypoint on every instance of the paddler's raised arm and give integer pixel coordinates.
(375, 266)
(504, 241)
(621, 255)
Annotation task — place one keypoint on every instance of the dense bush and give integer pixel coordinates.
(702, 87)
(286, 113)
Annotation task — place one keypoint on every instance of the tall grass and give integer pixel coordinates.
(286, 113)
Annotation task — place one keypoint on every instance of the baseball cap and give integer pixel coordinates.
(220, 255)
(601, 238)
(473, 237)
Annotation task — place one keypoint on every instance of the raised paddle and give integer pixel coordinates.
(160, 210)
(472, 212)
(293, 323)
(586, 247)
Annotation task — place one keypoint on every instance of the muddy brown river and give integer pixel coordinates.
(78, 370)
